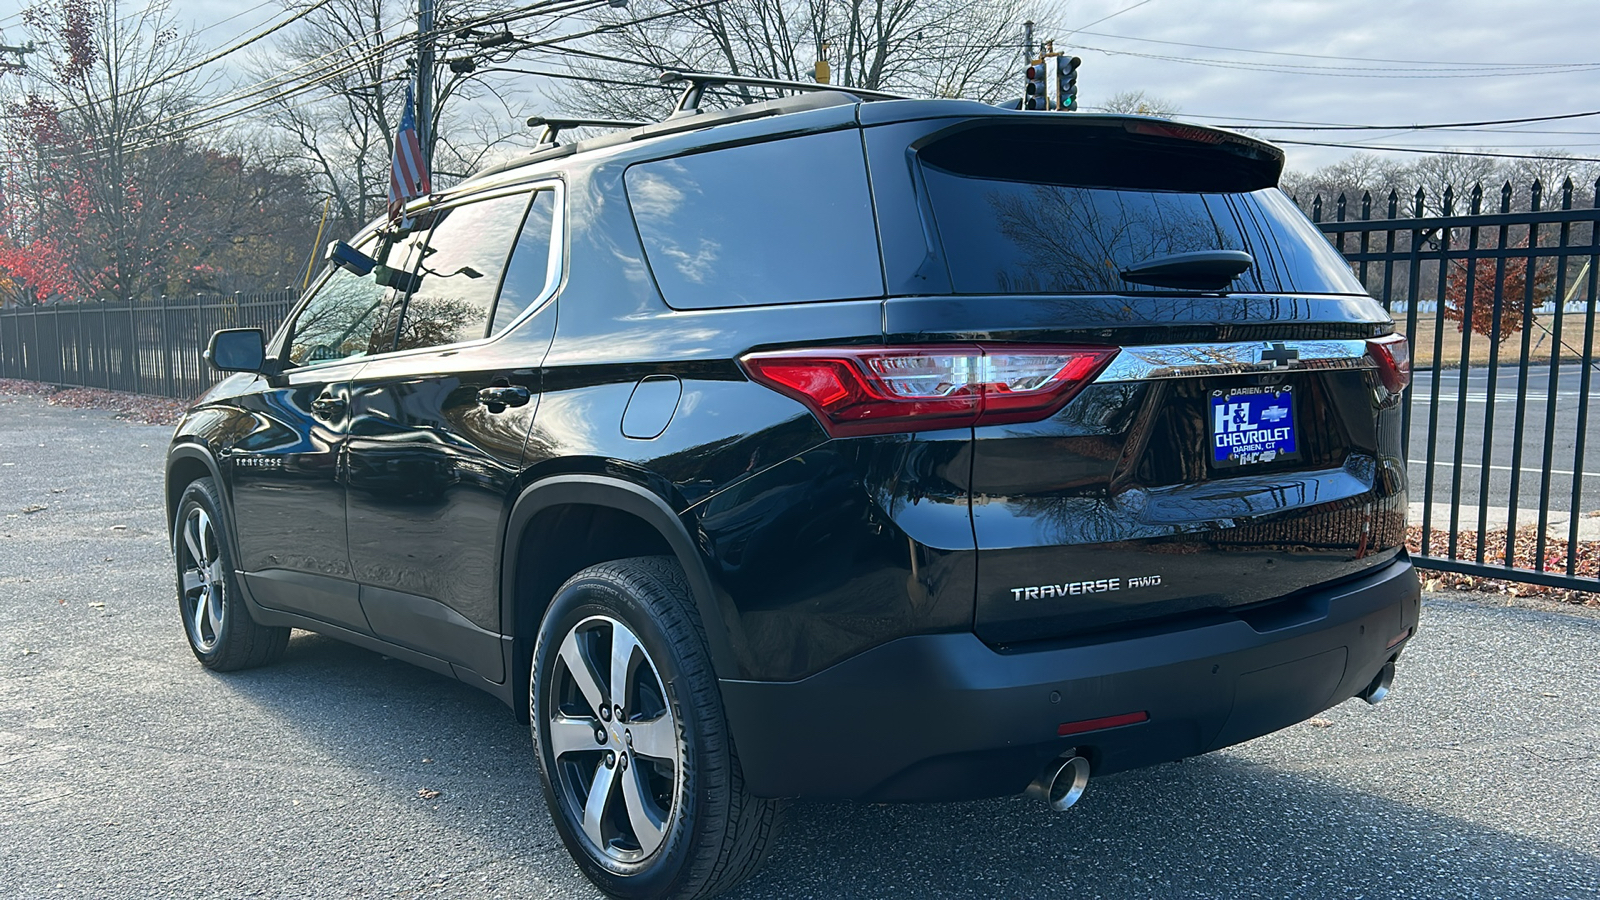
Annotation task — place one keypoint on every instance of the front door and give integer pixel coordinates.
(287, 473)
(437, 431)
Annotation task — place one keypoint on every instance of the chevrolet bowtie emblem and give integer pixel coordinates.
(1280, 355)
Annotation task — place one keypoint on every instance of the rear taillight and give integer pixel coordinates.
(1392, 353)
(883, 390)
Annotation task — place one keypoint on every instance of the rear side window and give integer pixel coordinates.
(458, 276)
(530, 273)
(788, 221)
(1067, 230)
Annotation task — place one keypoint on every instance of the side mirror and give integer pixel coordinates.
(237, 350)
(350, 259)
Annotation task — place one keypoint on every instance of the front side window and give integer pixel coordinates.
(787, 221)
(459, 273)
(336, 324)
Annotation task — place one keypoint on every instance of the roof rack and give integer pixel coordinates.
(699, 81)
(554, 126)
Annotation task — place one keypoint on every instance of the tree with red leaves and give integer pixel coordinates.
(1472, 287)
(109, 197)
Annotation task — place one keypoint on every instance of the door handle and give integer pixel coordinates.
(499, 397)
(327, 407)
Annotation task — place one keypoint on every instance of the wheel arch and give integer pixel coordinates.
(187, 463)
(547, 540)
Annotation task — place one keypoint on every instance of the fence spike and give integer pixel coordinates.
(1536, 194)
(1476, 207)
(1566, 193)
(1449, 199)
(1366, 205)
(1505, 197)
(1394, 203)
(1422, 205)
(1316, 208)
(1340, 211)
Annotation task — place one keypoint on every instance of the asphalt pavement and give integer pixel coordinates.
(127, 770)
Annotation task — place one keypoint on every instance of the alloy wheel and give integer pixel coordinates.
(204, 590)
(618, 756)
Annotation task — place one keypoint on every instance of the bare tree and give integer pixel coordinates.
(1140, 103)
(360, 56)
(102, 111)
(941, 48)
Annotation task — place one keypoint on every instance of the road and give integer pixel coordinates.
(128, 771)
(1470, 410)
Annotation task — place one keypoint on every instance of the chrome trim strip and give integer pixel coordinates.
(1241, 358)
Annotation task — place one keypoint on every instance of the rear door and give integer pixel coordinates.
(1240, 446)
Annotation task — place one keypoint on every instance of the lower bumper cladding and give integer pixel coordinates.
(946, 717)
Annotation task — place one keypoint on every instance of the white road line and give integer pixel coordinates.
(1445, 463)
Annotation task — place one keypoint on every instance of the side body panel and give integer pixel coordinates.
(285, 468)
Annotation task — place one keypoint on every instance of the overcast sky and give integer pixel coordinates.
(1345, 71)
(1444, 43)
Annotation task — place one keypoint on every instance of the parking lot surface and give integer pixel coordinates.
(127, 770)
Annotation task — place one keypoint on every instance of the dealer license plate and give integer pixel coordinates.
(1253, 425)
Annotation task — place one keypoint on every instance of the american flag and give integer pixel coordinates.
(408, 174)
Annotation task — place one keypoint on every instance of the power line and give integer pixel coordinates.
(1351, 71)
(1421, 127)
(1104, 18)
(1421, 62)
(395, 47)
(1441, 152)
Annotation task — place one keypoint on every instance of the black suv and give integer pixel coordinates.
(824, 448)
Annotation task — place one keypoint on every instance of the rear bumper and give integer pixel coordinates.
(945, 717)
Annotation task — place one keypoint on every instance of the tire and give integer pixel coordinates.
(674, 819)
(220, 630)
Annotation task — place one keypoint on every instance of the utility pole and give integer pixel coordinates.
(20, 53)
(1027, 42)
(425, 80)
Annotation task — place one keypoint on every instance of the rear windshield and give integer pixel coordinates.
(1008, 236)
(787, 221)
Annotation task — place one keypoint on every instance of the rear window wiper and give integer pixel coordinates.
(1197, 270)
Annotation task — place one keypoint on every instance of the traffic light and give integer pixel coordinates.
(1033, 96)
(1067, 81)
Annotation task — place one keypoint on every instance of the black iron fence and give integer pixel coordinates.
(150, 347)
(1500, 307)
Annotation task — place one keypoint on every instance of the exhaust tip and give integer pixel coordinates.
(1378, 690)
(1063, 783)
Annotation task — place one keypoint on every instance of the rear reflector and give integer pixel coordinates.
(884, 390)
(1398, 638)
(1392, 353)
(1132, 718)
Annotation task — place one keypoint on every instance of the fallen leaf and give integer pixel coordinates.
(1320, 723)
(98, 605)
(34, 507)
(119, 528)
(427, 793)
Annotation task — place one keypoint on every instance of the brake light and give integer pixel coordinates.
(884, 390)
(1392, 353)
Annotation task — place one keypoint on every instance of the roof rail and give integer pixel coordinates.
(699, 81)
(554, 126)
